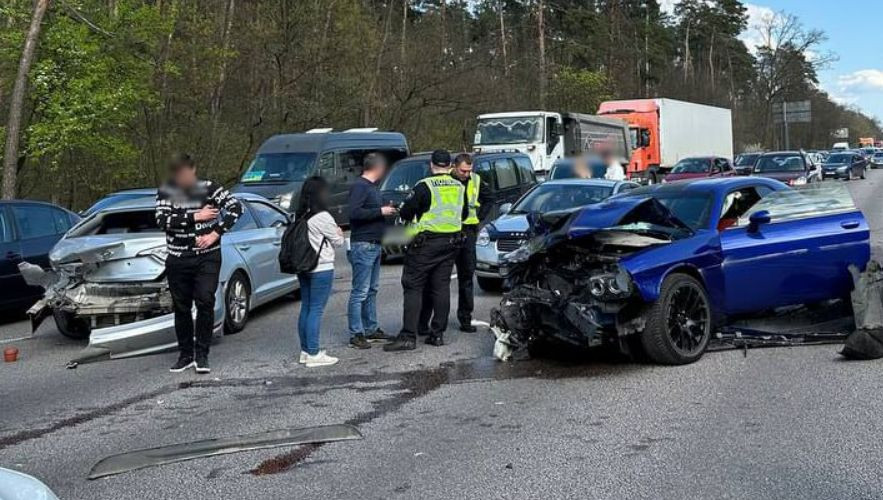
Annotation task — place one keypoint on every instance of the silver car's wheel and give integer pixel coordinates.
(237, 301)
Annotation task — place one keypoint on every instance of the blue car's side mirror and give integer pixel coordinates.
(757, 219)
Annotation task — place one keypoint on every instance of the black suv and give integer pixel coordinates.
(505, 175)
(28, 231)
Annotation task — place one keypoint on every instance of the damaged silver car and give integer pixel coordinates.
(657, 271)
(107, 282)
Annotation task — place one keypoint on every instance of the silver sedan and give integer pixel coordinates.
(108, 284)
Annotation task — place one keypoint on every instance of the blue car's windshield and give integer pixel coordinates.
(280, 167)
(556, 197)
(691, 208)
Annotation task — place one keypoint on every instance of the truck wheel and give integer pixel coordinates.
(678, 323)
(70, 325)
(490, 284)
(237, 302)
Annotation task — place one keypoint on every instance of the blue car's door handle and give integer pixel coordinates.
(849, 224)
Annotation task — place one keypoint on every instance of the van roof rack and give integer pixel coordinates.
(319, 130)
(362, 129)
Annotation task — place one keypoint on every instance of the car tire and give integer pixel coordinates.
(71, 326)
(679, 323)
(237, 302)
(490, 284)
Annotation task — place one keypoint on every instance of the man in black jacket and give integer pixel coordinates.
(367, 224)
(194, 213)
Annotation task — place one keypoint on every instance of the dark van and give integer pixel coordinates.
(506, 175)
(284, 161)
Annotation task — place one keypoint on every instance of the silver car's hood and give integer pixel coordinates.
(113, 257)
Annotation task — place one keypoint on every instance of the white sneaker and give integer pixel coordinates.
(303, 357)
(320, 359)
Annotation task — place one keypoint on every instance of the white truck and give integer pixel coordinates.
(665, 131)
(547, 136)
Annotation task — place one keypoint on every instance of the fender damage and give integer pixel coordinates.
(569, 283)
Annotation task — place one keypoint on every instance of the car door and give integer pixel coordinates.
(508, 182)
(800, 256)
(11, 283)
(39, 228)
(270, 282)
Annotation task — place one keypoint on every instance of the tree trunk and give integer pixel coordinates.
(541, 35)
(503, 48)
(16, 103)
(215, 110)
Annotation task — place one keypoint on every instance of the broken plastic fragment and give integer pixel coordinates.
(140, 459)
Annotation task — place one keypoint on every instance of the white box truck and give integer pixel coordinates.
(664, 131)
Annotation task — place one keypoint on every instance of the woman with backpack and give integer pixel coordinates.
(323, 235)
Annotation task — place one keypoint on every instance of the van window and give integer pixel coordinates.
(5, 227)
(525, 170)
(35, 221)
(279, 167)
(507, 177)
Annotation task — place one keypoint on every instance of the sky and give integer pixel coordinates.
(855, 36)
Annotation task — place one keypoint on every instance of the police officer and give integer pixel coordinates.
(437, 208)
(479, 203)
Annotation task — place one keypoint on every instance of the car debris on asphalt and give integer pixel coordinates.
(124, 462)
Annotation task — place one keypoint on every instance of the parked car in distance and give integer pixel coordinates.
(658, 269)
(118, 196)
(506, 176)
(845, 166)
(563, 168)
(28, 231)
(790, 167)
(698, 167)
(110, 282)
(744, 163)
(284, 161)
(512, 228)
(876, 160)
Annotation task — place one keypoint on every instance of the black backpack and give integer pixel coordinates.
(296, 254)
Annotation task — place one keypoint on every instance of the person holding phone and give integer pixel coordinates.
(367, 215)
(194, 213)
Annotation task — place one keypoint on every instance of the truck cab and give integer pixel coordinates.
(538, 134)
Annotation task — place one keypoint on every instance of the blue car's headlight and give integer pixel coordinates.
(613, 285)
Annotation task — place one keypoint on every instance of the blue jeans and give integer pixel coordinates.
(362, 307)
(315, 288)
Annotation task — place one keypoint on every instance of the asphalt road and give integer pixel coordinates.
(451, 422)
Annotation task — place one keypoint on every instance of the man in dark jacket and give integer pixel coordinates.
(194, 213)
(367, 223)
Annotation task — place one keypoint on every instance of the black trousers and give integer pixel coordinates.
(427, 272)
(194, 279)
(465, 263)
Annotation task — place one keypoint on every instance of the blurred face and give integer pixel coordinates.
(463, 170)
(378, 171)
(184, 176)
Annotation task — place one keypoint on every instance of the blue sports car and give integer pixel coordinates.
(658, 268)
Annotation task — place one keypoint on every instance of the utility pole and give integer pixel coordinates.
(541, 28)
(785, 122)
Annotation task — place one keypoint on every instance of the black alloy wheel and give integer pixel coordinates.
(679, 323)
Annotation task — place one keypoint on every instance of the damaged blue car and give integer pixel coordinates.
(658, 270)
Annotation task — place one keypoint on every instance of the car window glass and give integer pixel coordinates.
(736, 204)
(810, 200)
(628, 186)
(484, 171)
(245, 221)
(405, 175)
(525, 170)
(62, 221)
(267, 215)
(5, 227)
(326, 165)
(506, 176)
(35, 221)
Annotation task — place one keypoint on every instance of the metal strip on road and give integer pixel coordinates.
(140, 459)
